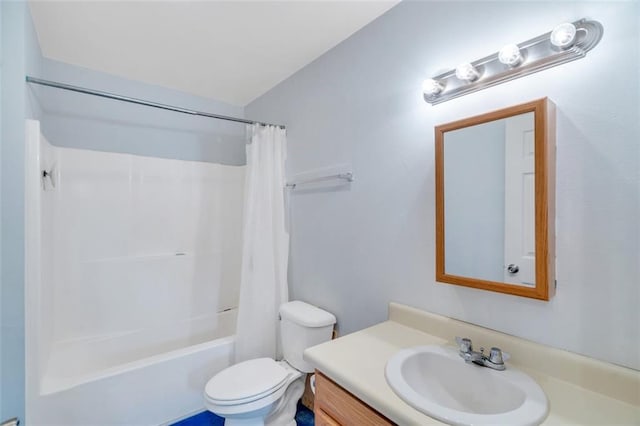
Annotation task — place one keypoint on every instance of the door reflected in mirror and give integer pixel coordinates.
(494, 192)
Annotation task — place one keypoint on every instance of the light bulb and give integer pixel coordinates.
(510, 55)
(431, 87)
(467, 72)
(563, 35)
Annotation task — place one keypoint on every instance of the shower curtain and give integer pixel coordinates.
(265, 245)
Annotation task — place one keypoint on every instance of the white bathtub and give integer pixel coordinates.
(107, 383)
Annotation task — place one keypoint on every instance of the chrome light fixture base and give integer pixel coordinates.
(537, 54)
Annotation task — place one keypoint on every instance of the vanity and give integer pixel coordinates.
(351, 387)
(334, 406)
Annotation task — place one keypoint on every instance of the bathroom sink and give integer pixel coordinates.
(437, 382)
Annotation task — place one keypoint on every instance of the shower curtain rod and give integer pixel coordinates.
(116, 97)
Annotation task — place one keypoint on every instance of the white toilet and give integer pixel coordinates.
(265, 392)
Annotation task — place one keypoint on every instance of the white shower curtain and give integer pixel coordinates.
(265, 245)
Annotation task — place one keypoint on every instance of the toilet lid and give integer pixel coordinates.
(246, 381)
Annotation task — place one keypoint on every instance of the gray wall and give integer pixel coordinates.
(355, 250)
(20, 55)
(474, 201)
(2, 327)
(81, 121)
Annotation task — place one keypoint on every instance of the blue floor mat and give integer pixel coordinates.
(304, 417)
(206, 418)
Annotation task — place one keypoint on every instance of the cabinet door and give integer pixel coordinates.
(323, 419)
(341, 407)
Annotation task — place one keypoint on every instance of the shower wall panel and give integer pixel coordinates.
(140, 243)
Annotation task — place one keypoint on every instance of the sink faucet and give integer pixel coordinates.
(495, 360)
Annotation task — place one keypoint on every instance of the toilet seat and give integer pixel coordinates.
(246, 382)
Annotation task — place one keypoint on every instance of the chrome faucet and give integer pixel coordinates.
(495, 360)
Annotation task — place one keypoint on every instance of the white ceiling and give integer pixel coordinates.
(233, 51)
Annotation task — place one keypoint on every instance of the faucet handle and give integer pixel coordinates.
(464, 344)
(495, 356)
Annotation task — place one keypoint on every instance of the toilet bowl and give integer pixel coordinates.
(256, 392)
(263, 391)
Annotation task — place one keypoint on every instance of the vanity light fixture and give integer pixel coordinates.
(567, 42)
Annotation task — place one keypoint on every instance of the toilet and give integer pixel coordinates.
(263, 391)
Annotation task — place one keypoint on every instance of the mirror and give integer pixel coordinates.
(495, 201)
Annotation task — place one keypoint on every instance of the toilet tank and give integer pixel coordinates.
(301, 326)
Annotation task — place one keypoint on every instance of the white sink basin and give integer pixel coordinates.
(437, 382)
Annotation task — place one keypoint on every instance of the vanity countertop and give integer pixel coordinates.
(581, 390)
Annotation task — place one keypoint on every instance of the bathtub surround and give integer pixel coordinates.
(361, 103)
(132, 278)
(265, 245)
(137, 243)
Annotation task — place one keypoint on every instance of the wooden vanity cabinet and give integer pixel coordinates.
(334, 406)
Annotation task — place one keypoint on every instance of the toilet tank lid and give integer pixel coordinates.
(305, 314)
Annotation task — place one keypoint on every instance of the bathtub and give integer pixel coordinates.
(128, 311)
(114, 380)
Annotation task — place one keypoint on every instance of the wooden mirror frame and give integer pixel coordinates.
(544, 157)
